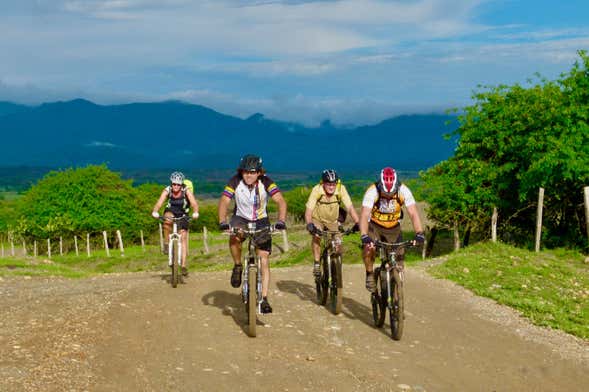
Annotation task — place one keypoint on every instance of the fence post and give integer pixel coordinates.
(76, 245)
(586, 191)
(539, 218)
(88, 244)
(142, 241)
(35, 248)
(24, 248)
(48, 248)
(161, 238)
(494, 225)
(60, 246)
(456, 236)
(11, 245)
(285, 240)
(205, 239)
(121, 243)
(106, 243)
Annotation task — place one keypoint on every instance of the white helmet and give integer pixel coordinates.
(177, 178)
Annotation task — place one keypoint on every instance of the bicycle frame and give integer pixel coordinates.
(175, 243)
(387, 253)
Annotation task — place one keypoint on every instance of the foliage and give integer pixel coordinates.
(550, 288)
(74, 201)
(296, 200)
(514, 140)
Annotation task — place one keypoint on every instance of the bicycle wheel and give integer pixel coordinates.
(252, 300)
(397, 314)
(378, 300)
(175, 258)
(336, 289)
(323, 282)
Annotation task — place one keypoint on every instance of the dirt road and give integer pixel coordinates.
(133, 332)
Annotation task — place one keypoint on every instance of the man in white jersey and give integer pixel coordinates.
(380, 218)
(251, 189)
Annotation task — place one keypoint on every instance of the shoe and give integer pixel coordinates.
(236, 275)
(370, 283)
(184, 271)
(165, 250)
(316, 270)
(265, 306)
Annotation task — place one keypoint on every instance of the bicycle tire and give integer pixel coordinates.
(397, 314)
(336, 289)
(252, 300)
(324, 281)
(175, 271)
(378, 300)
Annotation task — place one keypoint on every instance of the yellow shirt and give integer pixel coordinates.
(326, 208)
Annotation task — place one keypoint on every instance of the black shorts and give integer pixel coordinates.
(262, 240)
(182, 224)
(391, 235)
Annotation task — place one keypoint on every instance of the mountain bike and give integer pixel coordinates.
(330, 281)
(389, 288)
(251, 287)
(175, 248)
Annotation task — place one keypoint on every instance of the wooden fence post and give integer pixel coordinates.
(48, 248)
(494, 225)
(35, 248)
(106, 243)
(60, 246)
(121, 243)
(456, 236)
(161, 238)
(24, 248)
(76, 245)
(285, 240)
(12, 245)
(142, 241)
(539, 218)
(586, 191)
(205, 239)
(88, 244)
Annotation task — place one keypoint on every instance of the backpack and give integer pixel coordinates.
(186, 184)
(343, 214)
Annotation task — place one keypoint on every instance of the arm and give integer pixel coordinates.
(415, 219)
(364, 215)
(279, 199)
(192, 201)
(353, 214)
(160, 201)
(222, 209)
(308, 215)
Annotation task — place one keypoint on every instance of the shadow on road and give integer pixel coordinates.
(230, 305)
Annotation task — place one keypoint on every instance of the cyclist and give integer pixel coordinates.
(323, 211)
(381, 216)
(251, 188)
(179, 201)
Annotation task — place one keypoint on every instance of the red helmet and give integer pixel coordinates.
(389, 181)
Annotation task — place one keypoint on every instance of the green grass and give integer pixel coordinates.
(551, 288)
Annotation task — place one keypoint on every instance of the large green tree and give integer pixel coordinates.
(512, 141)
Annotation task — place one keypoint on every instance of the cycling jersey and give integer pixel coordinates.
(386, 212)
(326, 208)
(178, 206)
(250, 202)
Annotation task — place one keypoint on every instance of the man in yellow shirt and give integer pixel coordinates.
(323, 211)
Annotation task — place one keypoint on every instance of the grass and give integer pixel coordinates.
(551, 288)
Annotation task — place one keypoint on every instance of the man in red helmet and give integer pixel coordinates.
(380, 218)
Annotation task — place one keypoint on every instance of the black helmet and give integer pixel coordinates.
(329, 175)
(250, 163)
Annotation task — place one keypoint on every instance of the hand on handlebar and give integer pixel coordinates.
(280, 225)
(155, 214)
(311, 228)
(224, 226)
(366, 240)
(419, 238)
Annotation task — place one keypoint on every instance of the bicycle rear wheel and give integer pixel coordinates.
(378, 300)
(336, 289)
(252, 300)
(397, 312)
(175, 258)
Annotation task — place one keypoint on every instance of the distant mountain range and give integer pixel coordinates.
(180, 135)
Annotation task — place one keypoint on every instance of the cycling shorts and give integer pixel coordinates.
(262, 240)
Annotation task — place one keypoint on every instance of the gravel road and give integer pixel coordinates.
(128, 332)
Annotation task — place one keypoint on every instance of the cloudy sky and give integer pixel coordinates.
(353, 61)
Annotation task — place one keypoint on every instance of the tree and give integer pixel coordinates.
(512, 141)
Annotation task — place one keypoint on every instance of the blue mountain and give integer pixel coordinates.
(177, 134)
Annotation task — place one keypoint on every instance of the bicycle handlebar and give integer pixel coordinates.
(174, 219)
(395, 245)
(330, 232)
(248, 231)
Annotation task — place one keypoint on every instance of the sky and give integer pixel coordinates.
(354, 62)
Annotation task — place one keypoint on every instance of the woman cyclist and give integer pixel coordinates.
(179, 201)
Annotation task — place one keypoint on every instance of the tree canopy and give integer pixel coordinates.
(512, 141)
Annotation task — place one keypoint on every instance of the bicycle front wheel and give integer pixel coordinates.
(397, 311)
(175, 259)
(336, 289)
(252, 300)
(323, 283)
(378, 300)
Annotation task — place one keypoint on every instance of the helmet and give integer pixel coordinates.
(177, 178)
(389, 181)
(329, 175)
(250, 163)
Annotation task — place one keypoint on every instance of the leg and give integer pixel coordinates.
(184, 236)
(264, 256)
(316, 249)
(235, 248)
(167, 229)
